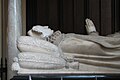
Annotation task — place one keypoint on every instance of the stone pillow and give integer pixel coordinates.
(31, 60)
(32, 44)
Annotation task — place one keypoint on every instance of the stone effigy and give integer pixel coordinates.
(44, 49)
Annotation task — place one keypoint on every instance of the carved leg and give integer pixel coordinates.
(90, 27)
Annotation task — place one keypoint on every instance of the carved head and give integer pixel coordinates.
(40, 31)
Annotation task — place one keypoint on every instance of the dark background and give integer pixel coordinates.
(70, 15)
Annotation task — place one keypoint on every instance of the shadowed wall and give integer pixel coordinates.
(70, 15)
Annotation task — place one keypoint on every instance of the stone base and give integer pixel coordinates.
(61, 72)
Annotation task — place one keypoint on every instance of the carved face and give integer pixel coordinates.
(43, 29)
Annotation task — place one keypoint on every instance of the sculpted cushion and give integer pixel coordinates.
(40, 61)
(32, 44)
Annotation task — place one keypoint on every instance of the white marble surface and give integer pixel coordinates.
(83, 69)
(14, 31)
(61, 72)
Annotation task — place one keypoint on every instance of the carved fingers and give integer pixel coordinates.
(90, 27)
(54, 36)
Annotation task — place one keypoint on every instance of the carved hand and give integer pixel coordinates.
(90, 27)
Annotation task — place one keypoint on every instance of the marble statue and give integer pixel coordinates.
(45, 49)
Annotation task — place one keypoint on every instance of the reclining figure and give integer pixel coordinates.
(47, 50)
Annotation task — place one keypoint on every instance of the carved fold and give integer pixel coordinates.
(32, 60)
(32, 44)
